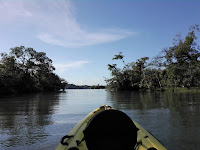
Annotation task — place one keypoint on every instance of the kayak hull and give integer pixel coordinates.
(75, 139)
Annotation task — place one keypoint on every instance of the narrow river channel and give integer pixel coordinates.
(39, 121)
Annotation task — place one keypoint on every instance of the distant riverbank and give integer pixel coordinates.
(73, 86)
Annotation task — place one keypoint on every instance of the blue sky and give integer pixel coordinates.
(82, 36)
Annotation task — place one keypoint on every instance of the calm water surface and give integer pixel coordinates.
(39, 121)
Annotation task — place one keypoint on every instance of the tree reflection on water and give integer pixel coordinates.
(24, 118)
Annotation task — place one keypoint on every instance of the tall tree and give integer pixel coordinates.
(26, 70)
(182, 61)
(123, 79)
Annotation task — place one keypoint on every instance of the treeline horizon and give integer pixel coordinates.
(73, 86)
(24, 70)
(175, 66)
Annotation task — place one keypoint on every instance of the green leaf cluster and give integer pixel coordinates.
(176, 66)
(26, 70)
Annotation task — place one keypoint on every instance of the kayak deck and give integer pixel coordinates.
(75, 139)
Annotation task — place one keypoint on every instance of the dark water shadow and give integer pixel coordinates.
(24, 118)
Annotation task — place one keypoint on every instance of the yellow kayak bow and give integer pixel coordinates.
(106, 128)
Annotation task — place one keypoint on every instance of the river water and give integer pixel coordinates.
(39, 121)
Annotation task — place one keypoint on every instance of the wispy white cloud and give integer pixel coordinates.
(60, 68)
(12, 10)
(55, 23)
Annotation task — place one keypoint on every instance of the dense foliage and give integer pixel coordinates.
(25, 70)
(176, 66)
